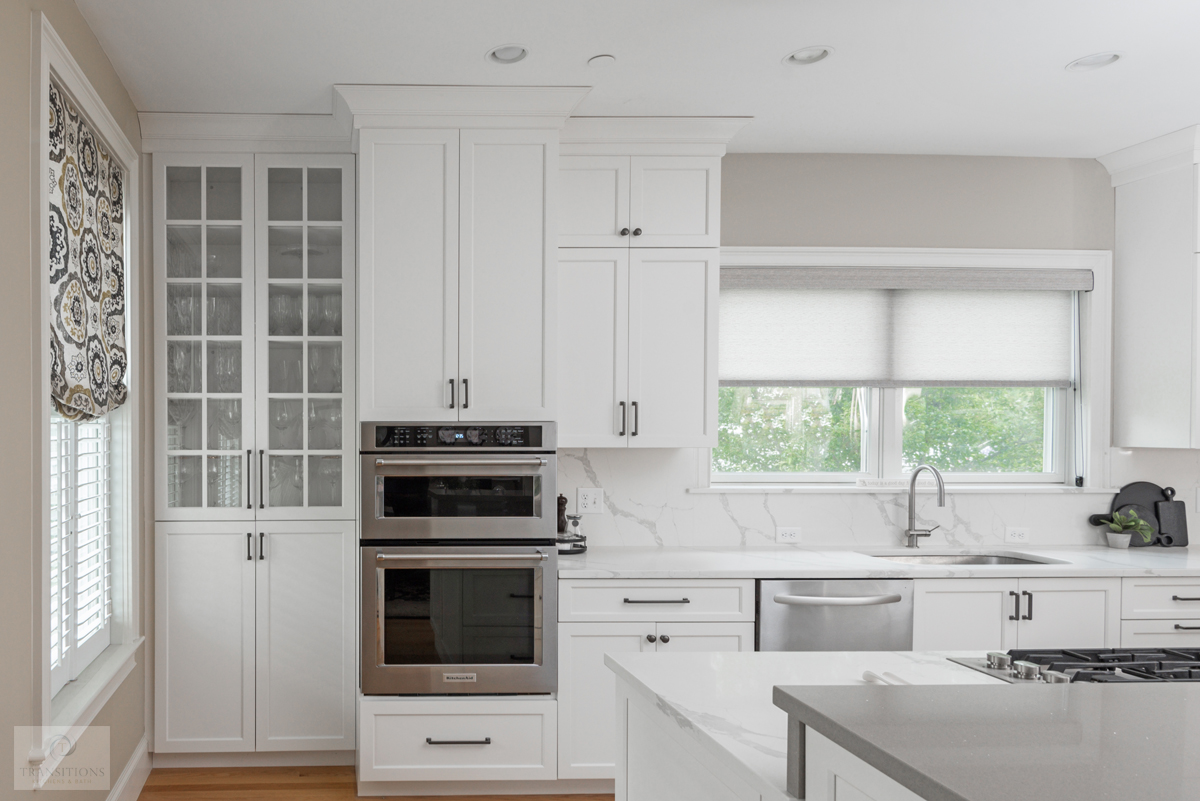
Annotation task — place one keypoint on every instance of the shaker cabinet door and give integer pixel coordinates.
(593, 347)
(675, 202)
(594, 201)
(408, 290)
(967, 614)
(1070, 613)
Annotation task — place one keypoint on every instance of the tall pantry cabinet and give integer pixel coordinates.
(255, 457)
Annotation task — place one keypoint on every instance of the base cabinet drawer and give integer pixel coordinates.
(594, 600)
(457, 739)
(1160, 598)
(1160, 633)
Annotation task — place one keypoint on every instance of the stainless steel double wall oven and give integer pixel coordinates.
(459, 589)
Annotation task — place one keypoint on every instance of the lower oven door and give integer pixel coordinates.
(459, 619)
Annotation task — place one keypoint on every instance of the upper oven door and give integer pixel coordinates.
(459, 496)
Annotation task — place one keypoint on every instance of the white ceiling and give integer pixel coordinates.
(908, 76)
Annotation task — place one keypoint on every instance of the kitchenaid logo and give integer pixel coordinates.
(458, 677)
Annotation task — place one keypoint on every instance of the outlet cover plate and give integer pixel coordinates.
(787, 535)
(1017, 534)
(589, 500)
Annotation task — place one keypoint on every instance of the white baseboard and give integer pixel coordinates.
(554, 787)
(254, 759)
(129, 784)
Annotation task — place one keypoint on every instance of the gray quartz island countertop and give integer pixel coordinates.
(614, 562)
(1069, 742)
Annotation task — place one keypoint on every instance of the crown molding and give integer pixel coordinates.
(222, 133)
(1154, 157)
(414, 106)
(648, 136)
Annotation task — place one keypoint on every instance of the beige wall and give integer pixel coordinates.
(20, 423)
(831, 200)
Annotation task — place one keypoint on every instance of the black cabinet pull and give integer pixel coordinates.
(650, 638)
(466, 394)
(1016, 615)
(249, 546)
(637, 231)
(677, 601)
(624, 232)
(261, 537)
(635, 419)
(249, 474)
(621, 433)
(1030, 615)
(518, 595)
(1186, 628)
(1181, 598)
(451, 393)
(484, 741)
(261, 505)
(664, 638)
(519, 658)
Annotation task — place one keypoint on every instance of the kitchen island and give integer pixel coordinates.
(702, 726)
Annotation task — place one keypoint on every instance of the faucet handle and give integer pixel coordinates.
(929, 531)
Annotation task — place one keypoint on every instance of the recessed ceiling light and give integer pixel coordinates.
(807, 55)
(602, 61)
(1093, 62)
(507, 54)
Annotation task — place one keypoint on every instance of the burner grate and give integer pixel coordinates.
(1117, 665)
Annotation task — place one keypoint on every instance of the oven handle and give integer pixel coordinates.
(466, 557)
(460, 462)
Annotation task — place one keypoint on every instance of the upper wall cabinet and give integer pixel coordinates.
(457, 274)
(1156, 327)
(640, 201)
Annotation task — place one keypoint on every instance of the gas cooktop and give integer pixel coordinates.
(1110, 665)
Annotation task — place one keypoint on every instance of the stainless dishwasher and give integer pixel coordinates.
(834, 615)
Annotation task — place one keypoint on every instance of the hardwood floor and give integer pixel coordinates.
(334, 783)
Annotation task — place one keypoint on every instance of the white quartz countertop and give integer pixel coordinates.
(796, 562)
(724, 700)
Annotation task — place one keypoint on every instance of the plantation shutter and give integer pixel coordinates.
(898, 326)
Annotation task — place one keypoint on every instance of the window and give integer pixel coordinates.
(81, 525)
(856, 375)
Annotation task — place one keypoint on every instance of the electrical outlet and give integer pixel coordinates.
(1016, 534)
(589, 500)
(787, 534)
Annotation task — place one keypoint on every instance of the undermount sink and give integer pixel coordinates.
(959, 559)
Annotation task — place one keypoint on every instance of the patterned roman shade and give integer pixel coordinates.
(87, 267)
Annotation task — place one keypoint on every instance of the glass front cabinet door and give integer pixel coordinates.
(254, 320)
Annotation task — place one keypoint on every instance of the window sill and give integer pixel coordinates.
(848, 489)
(78, 703)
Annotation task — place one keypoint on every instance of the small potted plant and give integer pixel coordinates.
(1124, 526)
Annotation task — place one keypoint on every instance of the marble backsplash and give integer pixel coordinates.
(647, 502)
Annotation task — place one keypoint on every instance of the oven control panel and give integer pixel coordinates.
(389, 436)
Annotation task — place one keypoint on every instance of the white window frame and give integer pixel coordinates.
(1082, 415)
(79, 702)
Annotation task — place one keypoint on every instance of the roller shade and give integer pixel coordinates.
(832, 327)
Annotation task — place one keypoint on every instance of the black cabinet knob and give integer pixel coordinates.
(637, 231)
(664, 638)
(624, 232)
(650, 638)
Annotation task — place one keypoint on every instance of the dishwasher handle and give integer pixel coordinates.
(832, 600)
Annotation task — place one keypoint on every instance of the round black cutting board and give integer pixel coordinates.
(1144, 496)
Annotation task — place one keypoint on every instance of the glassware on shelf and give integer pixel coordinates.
(183, 251)
(285, 310)
(324, 481)
(324, 424)
(183, 424)
(225, 481)
(224, 192)
(183, 366)
(183, 481)
(287, 481)
(324, 310)
(324, 251)
(224, 366)
(183, 309)
(183, 194)
(285, 252)
(285, 193)
(285, 370)
(224, 251)
(324, 367)
(224, 309)
(325, 193)
(286, 416)
(224, 424)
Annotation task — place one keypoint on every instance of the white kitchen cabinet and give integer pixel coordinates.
(254, 322)
(640, 201)
(834, 774)
(638, 347)
(651, 600)
(457, 274)
(974, 614)
(254, 627)
(1156, 391)
(587, 688)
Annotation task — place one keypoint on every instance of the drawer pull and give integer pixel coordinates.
(837, 600)
(1181, 598)
(484, 741)
(1186, 628)
(677, 601)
